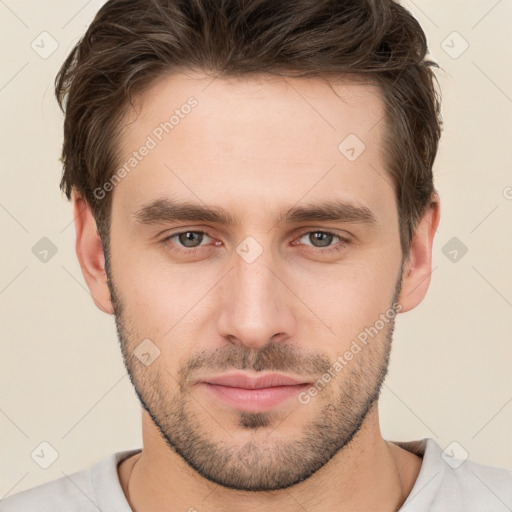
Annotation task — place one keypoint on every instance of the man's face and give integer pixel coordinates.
(263, 295)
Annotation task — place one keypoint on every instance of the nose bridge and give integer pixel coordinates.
(256, 305)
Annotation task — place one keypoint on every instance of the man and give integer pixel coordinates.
(253, 199)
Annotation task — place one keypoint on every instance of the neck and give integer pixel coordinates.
(367, 474)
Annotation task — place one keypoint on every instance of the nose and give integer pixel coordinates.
(256, 304)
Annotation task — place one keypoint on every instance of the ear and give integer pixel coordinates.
(89, 250)
(418, 268)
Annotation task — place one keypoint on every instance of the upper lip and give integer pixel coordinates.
(238, 380)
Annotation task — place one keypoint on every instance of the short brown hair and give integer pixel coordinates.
(131, 43)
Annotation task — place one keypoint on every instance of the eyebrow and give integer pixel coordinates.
(165, 210)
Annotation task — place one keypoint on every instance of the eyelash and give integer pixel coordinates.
(336, 248)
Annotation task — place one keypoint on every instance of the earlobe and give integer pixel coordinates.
(89, 250)
(418, 268)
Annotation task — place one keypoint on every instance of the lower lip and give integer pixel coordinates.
(254, 400)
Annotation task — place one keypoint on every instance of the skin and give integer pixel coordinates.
(254, 146)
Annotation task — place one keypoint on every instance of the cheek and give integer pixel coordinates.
(156, 291)
(349, 298)
(170, 306)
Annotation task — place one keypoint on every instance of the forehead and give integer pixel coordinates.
(329, 103)
(254, 139)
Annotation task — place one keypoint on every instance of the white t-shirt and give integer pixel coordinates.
(444, 484)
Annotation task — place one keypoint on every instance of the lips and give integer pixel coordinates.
(255, 394)
(246, 382)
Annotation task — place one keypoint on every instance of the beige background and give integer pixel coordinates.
(61, 378)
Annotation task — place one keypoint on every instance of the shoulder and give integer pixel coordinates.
(450, 481)
(89, 490)
(71, 493)
(479, 487)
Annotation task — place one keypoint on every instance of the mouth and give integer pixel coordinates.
(253, 394)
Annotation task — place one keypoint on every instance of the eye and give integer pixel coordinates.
(186, 241)
(321, 239)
